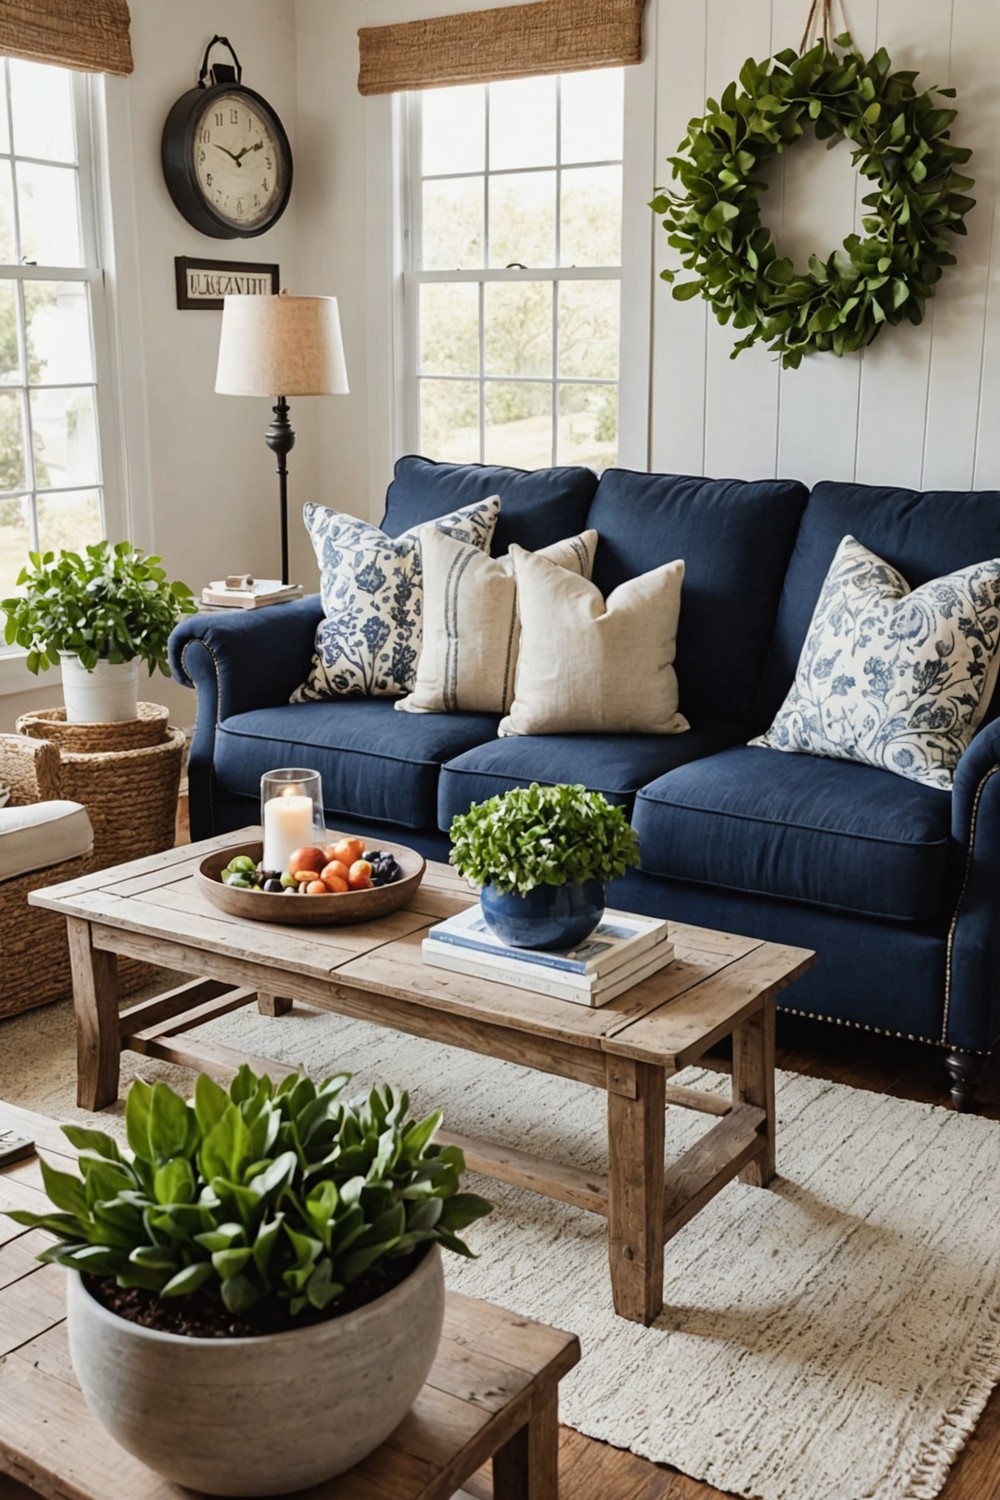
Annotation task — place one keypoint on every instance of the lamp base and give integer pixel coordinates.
(280, 438)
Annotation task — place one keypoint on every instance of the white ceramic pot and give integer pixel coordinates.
(107, 695)
(259, 1416)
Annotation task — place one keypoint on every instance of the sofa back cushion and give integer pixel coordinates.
(537, 507)
(922, 534)
(735, 539)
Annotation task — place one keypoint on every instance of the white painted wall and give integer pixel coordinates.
(916, 408)
(203, 490)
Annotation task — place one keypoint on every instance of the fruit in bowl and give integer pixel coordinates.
(314, 871)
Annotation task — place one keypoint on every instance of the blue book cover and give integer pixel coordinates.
(618, 938)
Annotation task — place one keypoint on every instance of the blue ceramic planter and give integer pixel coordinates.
(550, 916)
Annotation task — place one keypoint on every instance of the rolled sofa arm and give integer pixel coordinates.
(237, 660)
(972, 986)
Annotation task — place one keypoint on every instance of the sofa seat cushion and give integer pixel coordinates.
(537, 506)
(41, 835)
(615, 764)
(826, 832)
(376, 764)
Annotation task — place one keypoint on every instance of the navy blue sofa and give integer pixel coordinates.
(895, 885)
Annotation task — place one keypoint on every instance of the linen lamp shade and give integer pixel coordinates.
(281, 346)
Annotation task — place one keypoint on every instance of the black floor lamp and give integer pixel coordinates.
(279, 347)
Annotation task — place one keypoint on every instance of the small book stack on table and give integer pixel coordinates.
(248, 593)
(623, 949)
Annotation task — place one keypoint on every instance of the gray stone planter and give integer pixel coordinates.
(259, 1416)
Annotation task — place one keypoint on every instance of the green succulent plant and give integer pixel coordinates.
(282, 1194)
(542, 835)
(109, 603)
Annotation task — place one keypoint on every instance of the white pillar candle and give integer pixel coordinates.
(288, 825)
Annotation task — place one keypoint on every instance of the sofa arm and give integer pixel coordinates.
(245, 658)
(972, 992)
(237, 660)
(30, 768)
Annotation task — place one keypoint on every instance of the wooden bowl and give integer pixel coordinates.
(309, 911)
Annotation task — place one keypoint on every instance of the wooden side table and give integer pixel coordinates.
(492, 1393)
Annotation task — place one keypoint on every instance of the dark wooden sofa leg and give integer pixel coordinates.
(964, 1070)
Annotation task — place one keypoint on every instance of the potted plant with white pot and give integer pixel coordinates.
(96, 614)
(542, 856)
(256, 1292)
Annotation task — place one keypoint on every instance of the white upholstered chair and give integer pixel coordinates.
(43, 840)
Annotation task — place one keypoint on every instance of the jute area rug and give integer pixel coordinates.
(835, 1338)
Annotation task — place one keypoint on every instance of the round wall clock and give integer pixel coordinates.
(226, 157)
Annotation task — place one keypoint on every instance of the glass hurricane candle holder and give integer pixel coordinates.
(291, 811)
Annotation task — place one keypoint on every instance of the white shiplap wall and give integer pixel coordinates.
(921, 406)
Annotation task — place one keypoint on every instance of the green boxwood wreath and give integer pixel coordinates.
(901, 143)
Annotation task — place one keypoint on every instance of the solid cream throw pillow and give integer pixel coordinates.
(372, 591)
(590, 665)
(890, 676)
(472, 633)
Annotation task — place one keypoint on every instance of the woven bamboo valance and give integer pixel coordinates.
(516, 41)
(93, 36)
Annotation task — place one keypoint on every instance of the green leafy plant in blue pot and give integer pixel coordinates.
(542, 856)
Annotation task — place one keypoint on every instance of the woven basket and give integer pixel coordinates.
(130, 794)
(34, 956)
(150, 728)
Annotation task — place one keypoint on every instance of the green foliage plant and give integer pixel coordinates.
(542, 835)
(257, 1194)
(901, 144)
(109, 603)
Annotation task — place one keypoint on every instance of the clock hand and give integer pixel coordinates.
(236, 159)
(257, 145)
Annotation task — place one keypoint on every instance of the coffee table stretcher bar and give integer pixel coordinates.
(492, 1392)
(719, 986)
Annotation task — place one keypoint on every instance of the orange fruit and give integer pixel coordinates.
(309, 857)
(316, 888)
(359, 876)
(336, 867)
(302, 875)
(336, 884)
(347, 850)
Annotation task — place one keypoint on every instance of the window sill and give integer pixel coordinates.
(15, 677)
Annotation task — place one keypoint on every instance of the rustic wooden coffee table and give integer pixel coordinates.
(492, 1392)
(719, 986)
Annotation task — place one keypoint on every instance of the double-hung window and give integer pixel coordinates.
(512, 270)
(51, 304)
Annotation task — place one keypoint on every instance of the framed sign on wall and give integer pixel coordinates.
(204, 283)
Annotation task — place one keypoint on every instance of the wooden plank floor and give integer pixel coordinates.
(594, 1471)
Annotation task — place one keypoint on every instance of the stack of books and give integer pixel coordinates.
(624, 949)
(259, 592)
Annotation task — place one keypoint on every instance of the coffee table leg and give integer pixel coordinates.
(95, 1000)
(273, 1005)
(753, 1083)
(636, 1106)
(527, 1466)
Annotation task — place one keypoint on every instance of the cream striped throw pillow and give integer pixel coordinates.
(471, 634)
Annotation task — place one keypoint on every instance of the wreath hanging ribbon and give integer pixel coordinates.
(902, 145)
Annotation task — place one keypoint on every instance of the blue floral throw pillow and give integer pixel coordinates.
(372, 589)
(890, 676)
